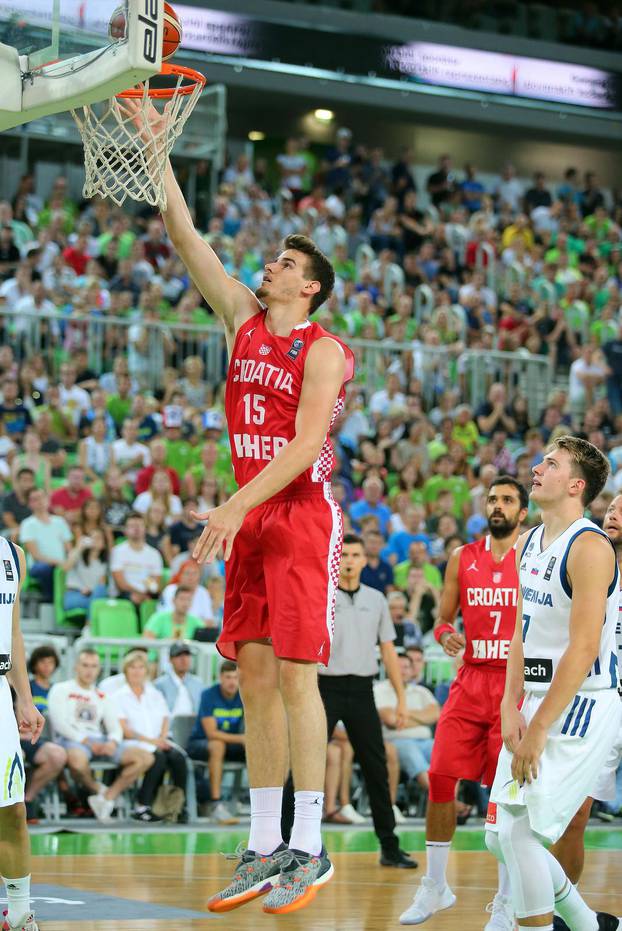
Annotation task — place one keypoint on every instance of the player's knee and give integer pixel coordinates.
(295, 681)
(216, 749)
(491, 839)
(580, 820)
(12, 817)
(442, 788)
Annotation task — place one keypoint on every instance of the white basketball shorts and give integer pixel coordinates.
(12, 777)
(577, 746)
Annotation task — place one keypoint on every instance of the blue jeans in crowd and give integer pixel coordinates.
(614, 395)
(43, 573)
(75, 599)
(414, 754)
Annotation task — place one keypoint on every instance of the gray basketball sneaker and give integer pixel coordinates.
(27, 923)
(301, 876)
(253, 876)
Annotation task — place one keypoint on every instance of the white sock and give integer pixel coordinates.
(540, 928)
(265, 834)
(437, 855)
(18, 895)
(575, 912)
(307, 830)
(504, 881)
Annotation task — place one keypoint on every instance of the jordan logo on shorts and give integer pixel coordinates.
(321, 650)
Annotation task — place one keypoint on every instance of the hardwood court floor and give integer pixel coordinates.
(362, 895)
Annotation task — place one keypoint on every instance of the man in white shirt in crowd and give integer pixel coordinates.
(74, 400)
(86, 724)
(46, 539)
(414, 741)
(129, 454)
(136, 567)
(180, 687)
(586, 374)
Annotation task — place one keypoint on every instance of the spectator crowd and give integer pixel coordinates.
(112, 429)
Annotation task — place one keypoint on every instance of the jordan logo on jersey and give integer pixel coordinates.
(472, 567)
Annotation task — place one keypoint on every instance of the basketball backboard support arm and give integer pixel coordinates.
(31, 92)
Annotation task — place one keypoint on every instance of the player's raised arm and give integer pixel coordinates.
(590, 568)
(325, 370)
(230, 300)
(448, 637)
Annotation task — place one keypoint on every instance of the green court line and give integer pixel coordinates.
(189, 844)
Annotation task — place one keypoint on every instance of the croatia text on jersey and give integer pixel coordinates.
(491, 597)
(262, 373)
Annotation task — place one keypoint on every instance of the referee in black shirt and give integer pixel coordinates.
(362, 620)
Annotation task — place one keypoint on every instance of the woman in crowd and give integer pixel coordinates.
(92, 519)
(33, 458)
(115, 505)
(155, 526)
(189, 576)
(87, 572)
(144, 717)
(95, 451)
(161, 490)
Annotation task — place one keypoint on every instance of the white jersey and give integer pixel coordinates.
(9, 584)
(547, 599)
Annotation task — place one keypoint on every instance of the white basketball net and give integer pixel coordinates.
(120, 161)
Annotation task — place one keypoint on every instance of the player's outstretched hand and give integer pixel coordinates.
(452, 643)
(29, 721)
(527, 755)
(223, 524)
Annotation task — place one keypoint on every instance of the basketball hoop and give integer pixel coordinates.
(125, 153)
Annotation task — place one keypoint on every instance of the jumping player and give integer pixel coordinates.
(15, 849)
(481, 580)
(569, 849)
(563, 667)
(282, 534)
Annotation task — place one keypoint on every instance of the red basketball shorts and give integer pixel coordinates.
(282, 576)
(467, 739)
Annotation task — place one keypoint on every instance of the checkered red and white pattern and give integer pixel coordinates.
(334, 559)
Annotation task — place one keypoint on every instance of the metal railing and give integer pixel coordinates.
(151, 346)
(110, 649)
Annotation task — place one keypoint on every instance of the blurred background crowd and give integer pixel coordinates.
(112, 373)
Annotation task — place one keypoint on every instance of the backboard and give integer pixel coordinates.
(56, 55)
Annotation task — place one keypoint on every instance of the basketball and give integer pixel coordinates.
(172, 32)
(116, 26)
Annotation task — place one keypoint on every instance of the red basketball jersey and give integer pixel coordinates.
(264, 382)
(488, 598)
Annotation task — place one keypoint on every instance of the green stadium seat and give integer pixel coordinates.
(147, 608)
(64, 618)
(113, 617)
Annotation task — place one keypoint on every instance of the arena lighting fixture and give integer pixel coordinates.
(255, 135)
(324, 116)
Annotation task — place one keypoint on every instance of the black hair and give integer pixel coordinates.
(319, 267)
(523, 495)
(43, 652)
